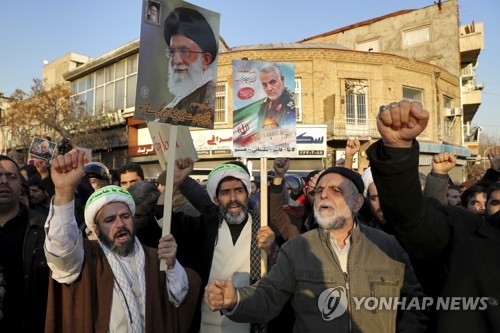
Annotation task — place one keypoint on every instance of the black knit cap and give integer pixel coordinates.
(347, 173)
(192, 24)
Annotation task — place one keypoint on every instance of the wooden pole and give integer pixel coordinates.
(263, 210)
(169, 184)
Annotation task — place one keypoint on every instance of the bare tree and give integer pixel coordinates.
(486, 141)
(56, 114)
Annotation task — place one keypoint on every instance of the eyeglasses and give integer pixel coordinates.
(185, 53)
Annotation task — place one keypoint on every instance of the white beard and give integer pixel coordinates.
(333, 222)
(182, 84)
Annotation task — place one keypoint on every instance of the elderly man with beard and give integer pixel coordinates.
(222, 243)
(192, 48)
(329, 271)
(114, 284)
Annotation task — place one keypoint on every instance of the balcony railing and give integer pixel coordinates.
(341, 129)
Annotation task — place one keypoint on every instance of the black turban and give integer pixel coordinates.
(347, 173)
(192, 24)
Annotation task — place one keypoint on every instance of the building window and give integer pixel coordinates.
(413, 94)
(369, 46)
(448, 124)
(356, 92)
(298, 99)
(108, 89)
(131, 82)
(221, 104)
(447, 102)
(83, 90)
(416, 36)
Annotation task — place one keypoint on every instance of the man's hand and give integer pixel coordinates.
(183, 168)
(266, 240)
(493, 154)
(443, 162)
(352, 147)
(42, 168)
(400, 123)
(281, 166)
(67, 172)
(220, 295)
(167, 250)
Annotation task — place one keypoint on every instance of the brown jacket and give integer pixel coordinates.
(85, 305)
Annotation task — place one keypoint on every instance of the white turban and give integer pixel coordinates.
(223, 171)
(104, 196)
(367, 180)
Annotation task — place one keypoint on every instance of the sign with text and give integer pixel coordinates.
(311, 141)
(160, 134)
(213, 143)
(264, 116)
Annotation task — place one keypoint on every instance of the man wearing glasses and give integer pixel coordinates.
(192, 48)
(24, 273)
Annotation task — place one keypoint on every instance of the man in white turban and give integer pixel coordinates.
(223, 242)
(114, 284)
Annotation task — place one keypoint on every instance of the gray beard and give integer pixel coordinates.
(234, 219)
(335, 222)
(181, 85)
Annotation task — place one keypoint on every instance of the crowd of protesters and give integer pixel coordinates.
(81, 248)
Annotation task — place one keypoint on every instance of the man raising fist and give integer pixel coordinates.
(467, 244)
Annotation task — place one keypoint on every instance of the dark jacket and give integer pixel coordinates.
(467, 244)
(35, 275)
(308, 270)
(196, 109)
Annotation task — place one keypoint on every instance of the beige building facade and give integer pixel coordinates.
(342, 78)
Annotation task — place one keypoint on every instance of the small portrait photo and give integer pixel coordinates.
(42, 148)
(153, 12)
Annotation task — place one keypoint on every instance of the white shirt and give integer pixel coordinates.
(64, 254)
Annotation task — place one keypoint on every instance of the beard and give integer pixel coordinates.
(123, 250)
(333, 222)
(234, 218)
(182, 84)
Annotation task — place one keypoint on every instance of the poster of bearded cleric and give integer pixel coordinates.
(177, 64)
(264, 109)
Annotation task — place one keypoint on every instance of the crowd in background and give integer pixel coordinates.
(297, 206)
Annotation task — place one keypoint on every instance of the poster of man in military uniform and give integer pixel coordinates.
(264, 109)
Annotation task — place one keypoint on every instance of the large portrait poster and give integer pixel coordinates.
(176, 81)
(264, 118)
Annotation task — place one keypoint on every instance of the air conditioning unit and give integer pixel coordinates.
(452, 112)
